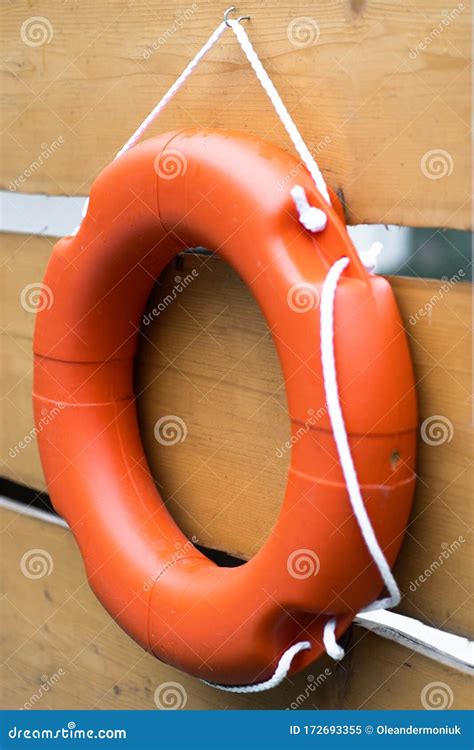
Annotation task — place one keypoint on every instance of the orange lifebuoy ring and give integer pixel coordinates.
(226, 625)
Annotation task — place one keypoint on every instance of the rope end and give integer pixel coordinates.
(369, 257)
(333, 649)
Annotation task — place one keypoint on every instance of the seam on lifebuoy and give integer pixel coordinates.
(156, 580)
(328, 483)
(328, 431)
(78, 404)
(158, 183)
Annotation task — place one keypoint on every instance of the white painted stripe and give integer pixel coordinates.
(57, 216)
(453, 650)
(439, 645)
(29, 510)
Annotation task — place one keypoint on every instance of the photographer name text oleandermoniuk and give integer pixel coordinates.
(410, 729)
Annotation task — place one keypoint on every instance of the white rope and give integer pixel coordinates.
(135, 137)
(311, 218)
(268, 87)
(333, 649)
(280, 673)
(173, 89)
(328, 361)
(314, 220)
(280, 109)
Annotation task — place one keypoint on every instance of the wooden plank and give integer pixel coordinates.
(57, 634)
(378, 89)
(208, 358)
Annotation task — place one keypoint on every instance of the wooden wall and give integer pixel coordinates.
(55, 633)
(380, 91)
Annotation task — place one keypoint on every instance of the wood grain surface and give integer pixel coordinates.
(60, 649)
(380, 90)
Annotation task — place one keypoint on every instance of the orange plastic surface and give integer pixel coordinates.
(229, 193)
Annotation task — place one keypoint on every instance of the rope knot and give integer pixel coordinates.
(312, 218)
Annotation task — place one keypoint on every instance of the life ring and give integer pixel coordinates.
(228, 192)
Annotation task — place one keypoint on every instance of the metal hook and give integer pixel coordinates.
(233, 9)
